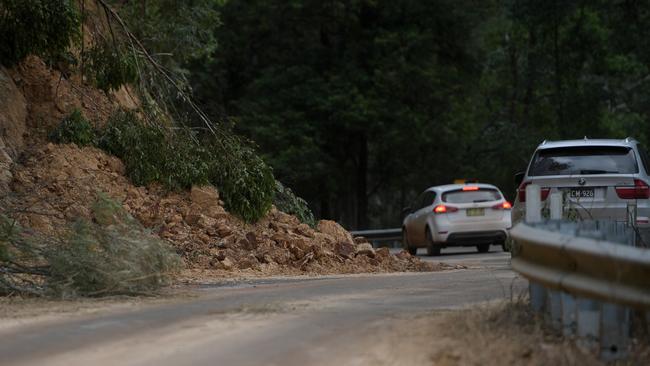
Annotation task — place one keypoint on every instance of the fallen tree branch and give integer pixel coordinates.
(159, 68)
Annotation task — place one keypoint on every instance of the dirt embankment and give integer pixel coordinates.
(48, 186)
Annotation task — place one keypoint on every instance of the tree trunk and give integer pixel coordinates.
(558, 77)
(325, 212)
(362, 182)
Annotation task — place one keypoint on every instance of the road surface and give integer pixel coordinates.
(280, 321)
(469, 257)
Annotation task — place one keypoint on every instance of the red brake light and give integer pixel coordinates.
(545, 191)
(521, 192)
(470, 188)
(503, 206)
(640, 190)
(440, 209)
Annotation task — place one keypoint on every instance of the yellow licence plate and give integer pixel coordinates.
(475, 212)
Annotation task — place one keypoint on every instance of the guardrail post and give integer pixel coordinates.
(556, 206)
(537, 292)
(588, 319)
(554, 309)
(615, 320)
(533, 204)
(631, 220)
(568, 314)
(537, 295)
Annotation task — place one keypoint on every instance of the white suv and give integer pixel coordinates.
(457, 215)
(598, 178)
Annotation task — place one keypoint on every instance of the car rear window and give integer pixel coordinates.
(584, 160)
(482, 195)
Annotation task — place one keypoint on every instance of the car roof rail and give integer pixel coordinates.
(543, 143)
(586, 138)
(628, 139)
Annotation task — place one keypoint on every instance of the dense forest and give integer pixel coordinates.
(358, 105)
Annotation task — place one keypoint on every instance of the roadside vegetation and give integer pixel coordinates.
(495, 333)
(110, 255)
(170, 140)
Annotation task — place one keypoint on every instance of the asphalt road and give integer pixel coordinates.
(279, 321)
(468, 256)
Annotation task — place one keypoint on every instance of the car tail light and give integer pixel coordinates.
(521, 192)
(440, 209)
(470, 188)
(503, 206)
(640, 190)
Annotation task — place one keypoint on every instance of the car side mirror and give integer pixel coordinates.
(519, 177)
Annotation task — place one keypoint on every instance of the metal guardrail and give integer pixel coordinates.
(379, 235)
(588, 283)
(586, 267)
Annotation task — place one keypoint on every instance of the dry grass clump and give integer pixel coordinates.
(488, 334)
(110, 255)
(509, 333)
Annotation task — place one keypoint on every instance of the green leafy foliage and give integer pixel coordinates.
(349, 103)
(286, 201)
(179, 161)
(175, 32)
(40, 27)
(150, 155)
(110, 65)
(74, 129)
(244, 179)
(360, 105)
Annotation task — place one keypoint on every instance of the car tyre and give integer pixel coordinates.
(432, 248)
(506, 245)
(483, 248)
(406, 245)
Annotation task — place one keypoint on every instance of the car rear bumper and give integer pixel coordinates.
(471, 233)
(476, 237)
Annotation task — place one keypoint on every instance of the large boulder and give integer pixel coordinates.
(334, 230)
(366, 249)
(205, 201)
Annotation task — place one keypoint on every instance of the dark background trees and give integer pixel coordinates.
(360, 104)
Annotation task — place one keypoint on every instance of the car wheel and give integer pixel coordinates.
(405, 244)
(432, 248)
(483, 248)
(506, 245)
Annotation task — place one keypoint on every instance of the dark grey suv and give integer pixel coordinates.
(598, 178)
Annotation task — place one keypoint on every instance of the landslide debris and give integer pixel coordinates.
(56, 184)
(46, 187)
